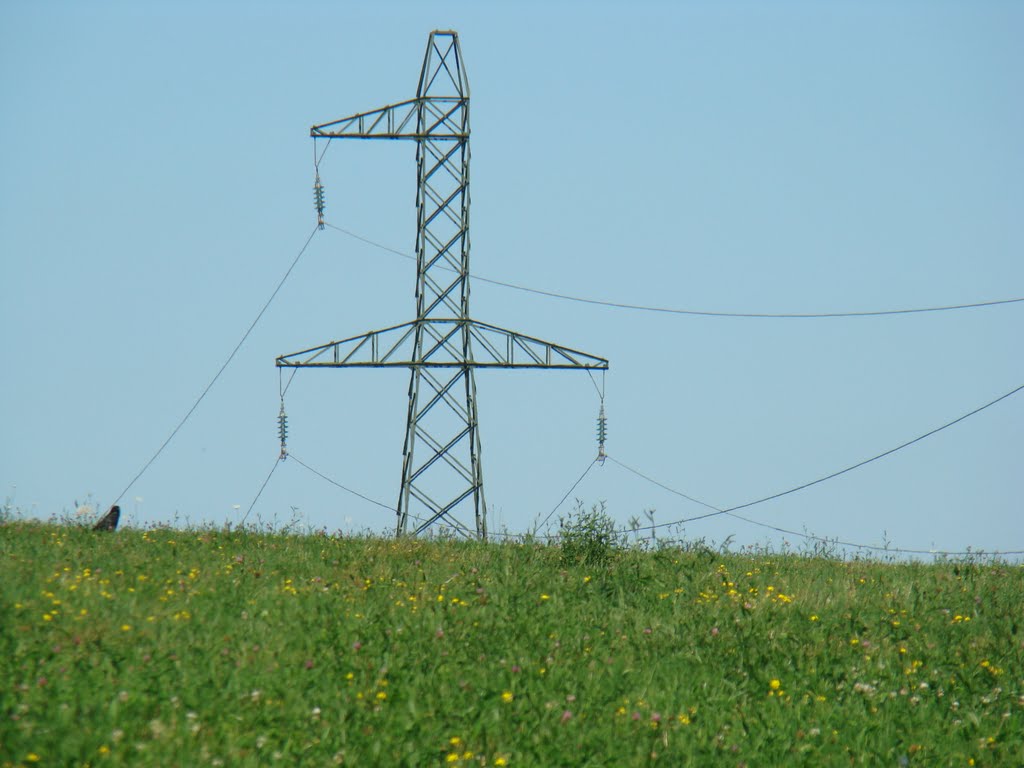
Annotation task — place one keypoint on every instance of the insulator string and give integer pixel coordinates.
(282, 430)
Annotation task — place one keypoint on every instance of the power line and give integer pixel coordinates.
(339, 485)
(880, 455)
(731, 511)
(566, 496)
(696, 312)
(349, 490)
(748, 315)
(640, 474)
(790, 532)
(259, 492)
(368, 241)
(222, 368)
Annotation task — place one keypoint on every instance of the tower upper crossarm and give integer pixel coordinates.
(429, 117)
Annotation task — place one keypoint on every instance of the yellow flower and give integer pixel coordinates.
(104, 750)
(126, 627)
(501, 761)
(775, 685)
(452, 757)
(381, 695)
(507, 696)
(31, 757)
(545, 597)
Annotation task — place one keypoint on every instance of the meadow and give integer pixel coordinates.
(168, 647)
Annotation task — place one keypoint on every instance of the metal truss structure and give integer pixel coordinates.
(441, 472)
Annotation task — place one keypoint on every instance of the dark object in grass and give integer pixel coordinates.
(109, 521)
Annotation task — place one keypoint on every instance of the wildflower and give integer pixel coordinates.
(507, 696)
(31, 757)
(500, 761)
(126, 627)
(566, 716)
(104, 750)
(775, 685)
(545, 597)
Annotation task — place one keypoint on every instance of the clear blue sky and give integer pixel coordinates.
(785, 157)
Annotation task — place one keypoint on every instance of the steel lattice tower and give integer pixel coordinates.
(441, 470)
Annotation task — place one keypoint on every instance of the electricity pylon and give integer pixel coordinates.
(441, 469)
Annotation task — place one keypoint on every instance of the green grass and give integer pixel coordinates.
(190, 648)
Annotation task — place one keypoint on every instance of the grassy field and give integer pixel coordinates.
(210, 647)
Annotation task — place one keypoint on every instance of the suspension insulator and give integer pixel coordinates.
(318, 201)
(282, 430)
(602, 432)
